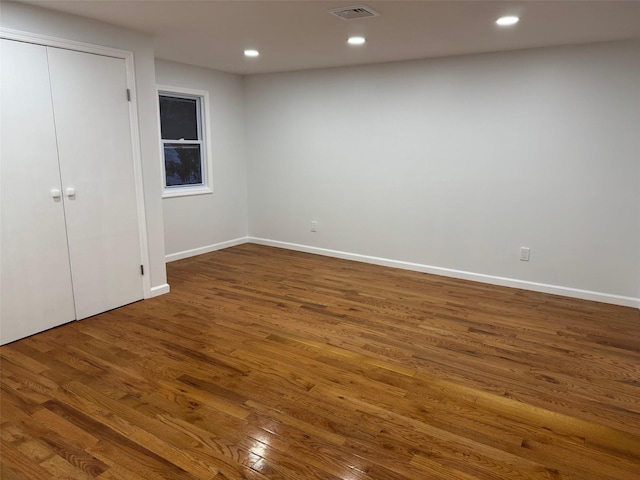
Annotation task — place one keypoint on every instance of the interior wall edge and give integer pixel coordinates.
(460, 274)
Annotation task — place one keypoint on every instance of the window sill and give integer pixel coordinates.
(186, 191)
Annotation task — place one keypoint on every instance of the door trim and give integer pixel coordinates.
(127, 56)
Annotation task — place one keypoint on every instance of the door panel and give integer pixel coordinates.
(35, 282)
(96, 161)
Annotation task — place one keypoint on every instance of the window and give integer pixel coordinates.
(185, 153)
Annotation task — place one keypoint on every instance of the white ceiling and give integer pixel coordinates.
(296, 35)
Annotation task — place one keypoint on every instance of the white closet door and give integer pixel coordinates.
(96, 164)
(35, 283)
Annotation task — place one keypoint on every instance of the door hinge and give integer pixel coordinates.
(128, 95)
(141, 269)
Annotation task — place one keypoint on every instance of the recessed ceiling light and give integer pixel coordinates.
(251, 53)
(356, 40)
(508, 20)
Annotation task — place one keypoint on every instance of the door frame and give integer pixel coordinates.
(127, 56)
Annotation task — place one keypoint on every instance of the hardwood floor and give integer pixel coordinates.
(271, 364)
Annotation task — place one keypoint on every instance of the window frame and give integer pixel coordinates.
(206, 157)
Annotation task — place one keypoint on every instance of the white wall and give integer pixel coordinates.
(201, 223)
(458, 162)
(31, 19)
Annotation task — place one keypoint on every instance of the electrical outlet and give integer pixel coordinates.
(314, 226)
(524, 254)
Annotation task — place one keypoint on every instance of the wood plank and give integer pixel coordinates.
(267, 363)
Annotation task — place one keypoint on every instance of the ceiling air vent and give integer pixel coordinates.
(351, 13)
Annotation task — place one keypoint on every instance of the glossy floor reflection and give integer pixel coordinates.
(270, 364)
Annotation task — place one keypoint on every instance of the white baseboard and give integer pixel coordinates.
(159, 290)
(206, 249)
(448, 272)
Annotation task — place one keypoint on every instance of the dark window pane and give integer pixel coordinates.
(178, 118)
(182, 164)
